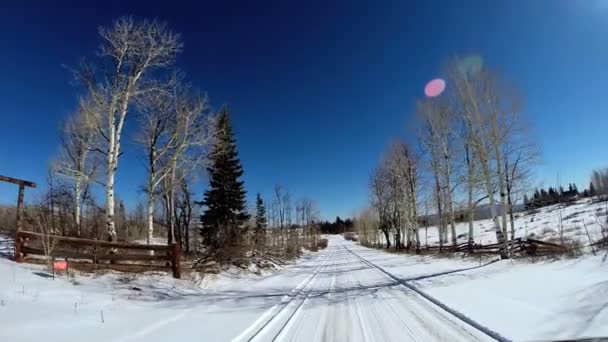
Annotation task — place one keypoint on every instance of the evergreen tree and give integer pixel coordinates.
(225, 206)
(526, 202)
(260, 221)
(544, 197)
(591, 190)
(553, 195)
(260, 213)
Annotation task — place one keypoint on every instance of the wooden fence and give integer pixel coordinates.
(95, 251)
(529, 247)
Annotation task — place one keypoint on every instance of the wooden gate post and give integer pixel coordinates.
(175, 260)
(20, 207)
(18, 247)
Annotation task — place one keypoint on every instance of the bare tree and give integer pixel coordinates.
(431, 137)
(478, 96)
(400, 164)
(310, 214)
(520, 156)
(184, 214)
(366, 225)
(379, 186)
(599, 180)
(76, 161)
(472, 181)
(193, 128)
(282, 209)
(412, 179)
(176, 131)
(129, 52)
(157, 110)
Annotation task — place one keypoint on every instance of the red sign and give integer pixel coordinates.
(60, 265)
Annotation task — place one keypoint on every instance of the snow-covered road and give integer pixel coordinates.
(348, 299)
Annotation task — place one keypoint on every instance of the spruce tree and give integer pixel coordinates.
(225, 204)
(591, 189)
(260, 216)
(260, 221)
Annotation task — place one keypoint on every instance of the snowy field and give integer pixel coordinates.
(343, 293)
(542, 225)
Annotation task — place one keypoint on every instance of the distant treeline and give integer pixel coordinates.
(544, 197)
(337, 227)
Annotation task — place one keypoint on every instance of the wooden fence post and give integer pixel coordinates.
(20, 207)
(521, 247)
(18, 246)
(175, 260)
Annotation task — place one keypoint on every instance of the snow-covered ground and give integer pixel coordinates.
(544, 224)
(563, 299)
(343, 293)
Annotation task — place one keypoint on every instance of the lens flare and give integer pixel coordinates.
(434, 88)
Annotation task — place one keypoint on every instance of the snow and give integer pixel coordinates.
(562, 299)
(156, 240)
(345, 292)
(325, 295)
(542, 225)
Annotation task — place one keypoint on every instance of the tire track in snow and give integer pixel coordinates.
(453, 312)
(362, 323)
(300, 318)
(306, 298)
(387, 300)
(321, 332)
(265, 321)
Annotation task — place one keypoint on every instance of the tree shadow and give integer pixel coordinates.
(43, 275)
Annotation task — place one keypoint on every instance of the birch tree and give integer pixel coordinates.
(431, 137)
(76, 160)
(403, 177)
(411, 180)
(488, 113)
(156, 111)
(379, 188)
(471, 181)
(130, 52)
(176, 131)
(192, 131)
(520, 156)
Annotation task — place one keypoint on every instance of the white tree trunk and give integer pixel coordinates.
(503, 200)
(493, 213)
(450, 203)
(150, 208)
(471, 211)
(110, 172)
(111, 225)
(150, 221)
(77, 206)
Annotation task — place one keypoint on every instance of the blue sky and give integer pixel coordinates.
(318, 90)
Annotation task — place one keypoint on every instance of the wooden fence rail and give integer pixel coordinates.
(520, 246)
(95, 251)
